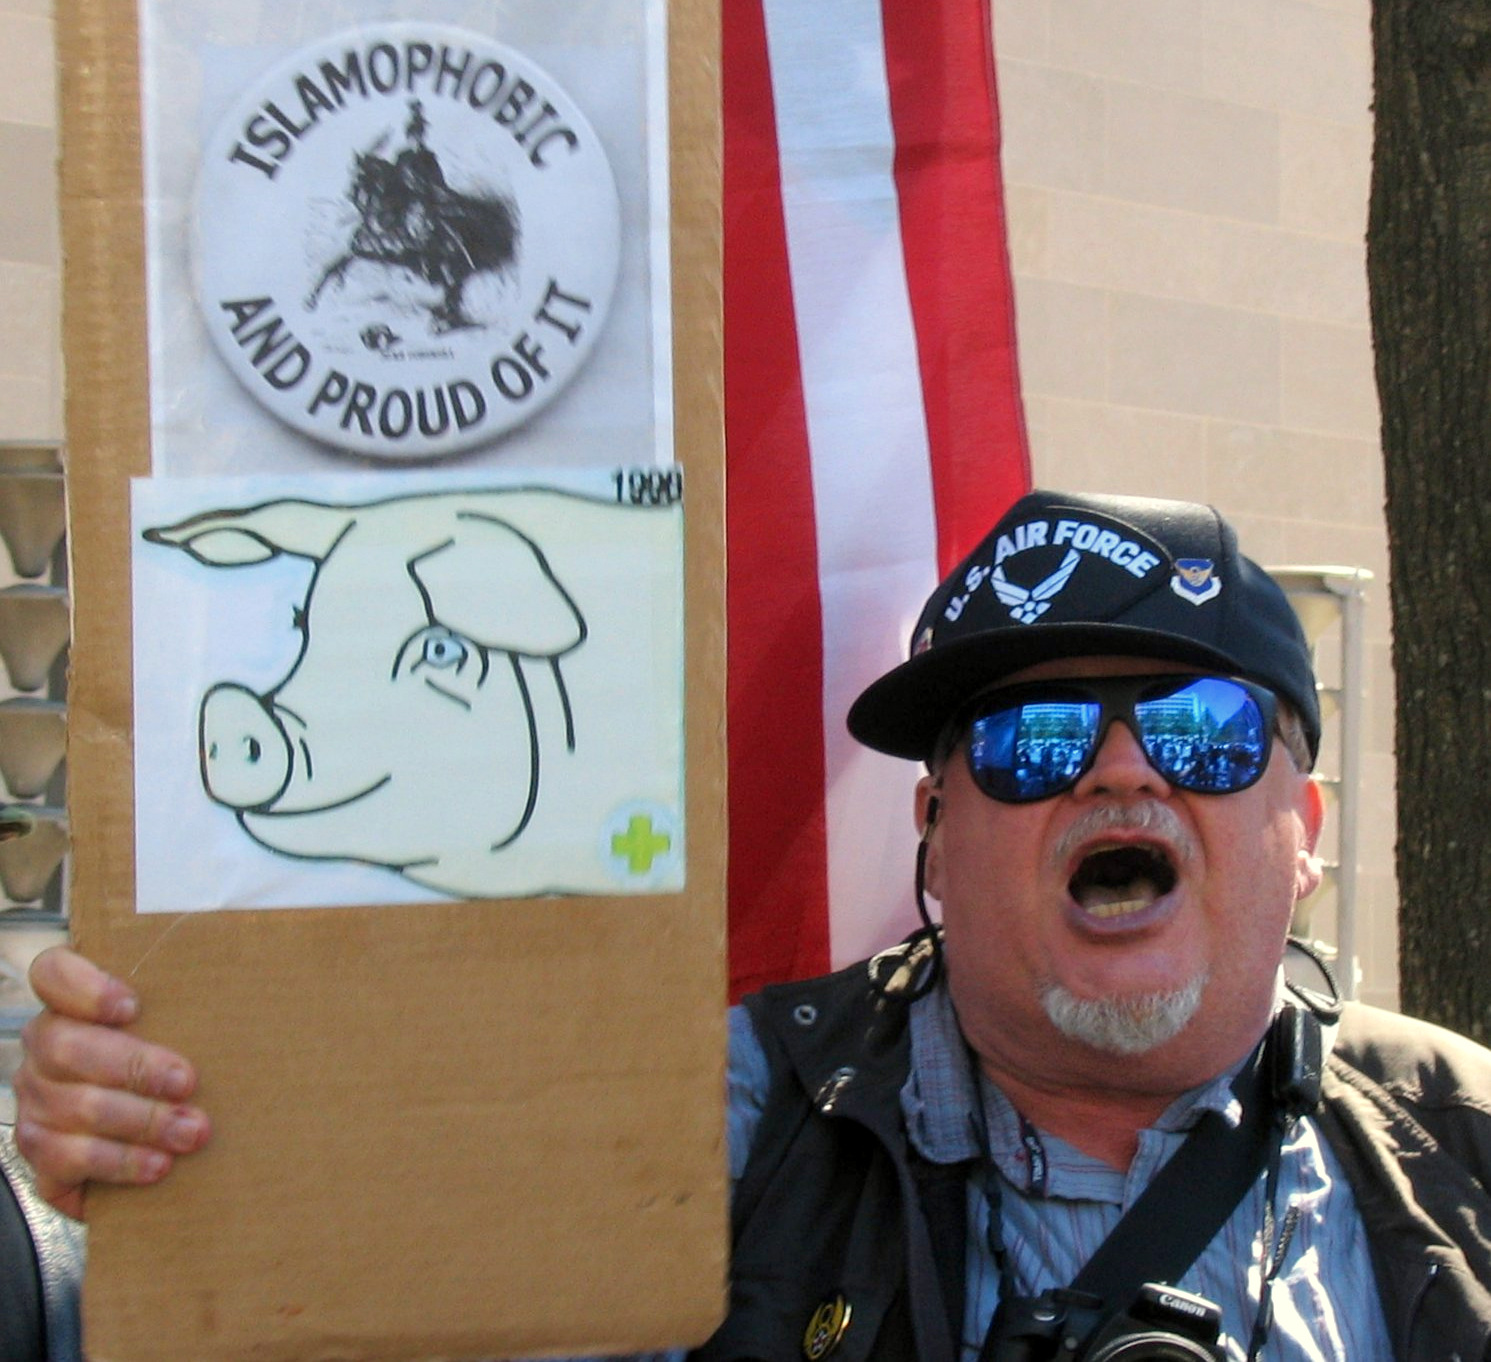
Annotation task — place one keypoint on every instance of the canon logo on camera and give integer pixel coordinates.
(1186, 1304)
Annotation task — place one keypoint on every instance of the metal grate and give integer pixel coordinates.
(34, 630)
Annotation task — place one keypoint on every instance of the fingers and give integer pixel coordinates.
(94, 1103)
(107, 1085)
(65, 1051)
(76, 987)
(64, 1165)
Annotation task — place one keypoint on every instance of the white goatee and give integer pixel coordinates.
(1126, 1024)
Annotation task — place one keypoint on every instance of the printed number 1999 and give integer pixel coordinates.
(649, 486)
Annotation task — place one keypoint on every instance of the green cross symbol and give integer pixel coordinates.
(639, 844)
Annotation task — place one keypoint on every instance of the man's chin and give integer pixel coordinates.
(1125, 1024)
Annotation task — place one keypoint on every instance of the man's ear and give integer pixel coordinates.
(928, 809)
(1313, 812)
(1309, 872)
(928, 805)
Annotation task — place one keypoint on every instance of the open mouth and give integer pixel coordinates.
(1114, 881)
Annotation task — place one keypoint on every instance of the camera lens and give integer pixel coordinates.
(1151, 1346)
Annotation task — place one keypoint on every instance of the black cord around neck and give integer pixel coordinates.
(930, 976)
(1195, 1193)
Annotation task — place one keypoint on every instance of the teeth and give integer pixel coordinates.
(1104, 901)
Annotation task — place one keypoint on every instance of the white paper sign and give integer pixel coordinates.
(380, 687)
(407, 238)
(406, 230)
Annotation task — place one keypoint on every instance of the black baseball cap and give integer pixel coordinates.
(1066, 575)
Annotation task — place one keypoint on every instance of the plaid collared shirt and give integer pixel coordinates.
(1058, 1205)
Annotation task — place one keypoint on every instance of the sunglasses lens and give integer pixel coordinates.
(1033, 750)
(1210, 736)
(1207, 735)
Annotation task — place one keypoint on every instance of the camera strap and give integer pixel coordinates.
(1195, 1193)
(1191, 1197)
(1197, 1190)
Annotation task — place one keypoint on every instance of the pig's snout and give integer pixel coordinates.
(245, 752)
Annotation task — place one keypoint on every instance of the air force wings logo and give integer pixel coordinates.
(1028, 605)
(1195, 580)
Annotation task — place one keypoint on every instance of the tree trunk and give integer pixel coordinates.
(1429, 274)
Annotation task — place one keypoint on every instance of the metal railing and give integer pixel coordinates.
(1331, 604)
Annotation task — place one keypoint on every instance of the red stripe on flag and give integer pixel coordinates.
(778, 844)
(940, 66)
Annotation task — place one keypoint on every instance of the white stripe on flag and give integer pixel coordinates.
(877, 540)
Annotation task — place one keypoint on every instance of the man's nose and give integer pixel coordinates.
(1121, 768)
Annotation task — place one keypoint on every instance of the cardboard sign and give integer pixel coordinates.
(396, 710)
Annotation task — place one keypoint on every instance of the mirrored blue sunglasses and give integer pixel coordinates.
(1203, 734)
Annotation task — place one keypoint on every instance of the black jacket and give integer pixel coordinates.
(833, 1203)
(41, 1255)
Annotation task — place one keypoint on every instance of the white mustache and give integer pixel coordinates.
(1150, 816)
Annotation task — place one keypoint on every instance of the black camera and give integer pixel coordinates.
(1161, 1325)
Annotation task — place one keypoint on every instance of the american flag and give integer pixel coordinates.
(873, 431)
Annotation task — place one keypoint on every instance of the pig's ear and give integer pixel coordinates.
(494, 585)
(304, 529)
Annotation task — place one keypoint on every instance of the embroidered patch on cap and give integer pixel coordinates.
(1055, 568)
(1195, 580)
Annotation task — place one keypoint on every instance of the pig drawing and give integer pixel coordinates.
(484, 679)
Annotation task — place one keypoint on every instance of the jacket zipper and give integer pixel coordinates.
(1411, 1317)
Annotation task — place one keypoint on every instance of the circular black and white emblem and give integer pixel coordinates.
(407, 238)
